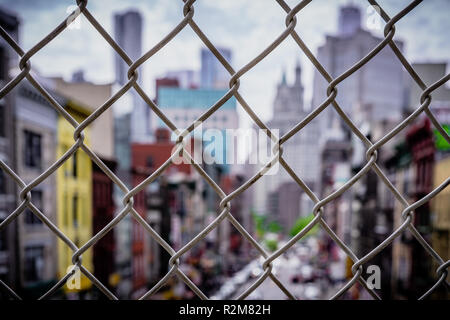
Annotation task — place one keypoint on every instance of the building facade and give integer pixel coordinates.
(8, 261)
(187, 79)
(35, 151)
(91, 96)
(213, 74)
(441, 220)
(74, 196)
(375, 92)
(184, 106)
(103, 209)
(301, 153)
(128, 34)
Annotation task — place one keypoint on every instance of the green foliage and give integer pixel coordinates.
(264, 225)
(301, 223)
(441, 143)
(274, 227)
(271, 244)
(259, 221)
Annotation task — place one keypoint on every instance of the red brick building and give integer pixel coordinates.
(146, 158)
(103, 213)
(420, 139)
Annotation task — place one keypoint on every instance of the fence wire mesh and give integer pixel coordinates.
(226, 199)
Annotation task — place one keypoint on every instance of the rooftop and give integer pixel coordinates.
(169, 97)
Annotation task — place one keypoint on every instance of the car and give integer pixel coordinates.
(241, 277)
(311, 292)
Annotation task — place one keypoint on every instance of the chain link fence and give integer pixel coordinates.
(188, 20)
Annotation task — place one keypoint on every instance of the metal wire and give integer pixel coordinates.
(226, 200)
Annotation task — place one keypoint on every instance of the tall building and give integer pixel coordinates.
(8, 260)
(123, 231)
(213, 73)
(438, 218)
(91, 96)
(335, 168)
(35, 151)
(375, 92)
(416, 164)
(128, 34)
(74, 195)
(301, 152)
(374, 98)
(184, 106)
(132, 127)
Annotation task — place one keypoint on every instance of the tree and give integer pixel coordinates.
(263, 225)
(301, 223)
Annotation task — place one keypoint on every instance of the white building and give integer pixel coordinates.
(301, 151)
(128, 34)
(376, 91)
(36, 134)
(213, 73)
(374, 96)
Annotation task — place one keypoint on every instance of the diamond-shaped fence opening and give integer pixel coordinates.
(187, 20)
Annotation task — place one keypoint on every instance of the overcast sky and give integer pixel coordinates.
(245, 26)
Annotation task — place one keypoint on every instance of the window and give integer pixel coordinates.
(2, 240)
(36, 199)
(2, 121)
(2, 182)
(32, 152)
(3, 64)
(74, 211)
(74, 164)
(34, 263)
(149, 162)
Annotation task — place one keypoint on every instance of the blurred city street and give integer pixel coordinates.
(170, 149)
(299, 270)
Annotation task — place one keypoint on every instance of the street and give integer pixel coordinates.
(298, 270)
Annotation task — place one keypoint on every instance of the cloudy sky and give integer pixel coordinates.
(245, 26)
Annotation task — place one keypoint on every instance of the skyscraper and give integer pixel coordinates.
(301, 152)
(213, 73)
(376, 91)
(373, 97)
(128, 34)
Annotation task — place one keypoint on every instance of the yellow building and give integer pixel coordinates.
(441, 217)
(74, 198)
